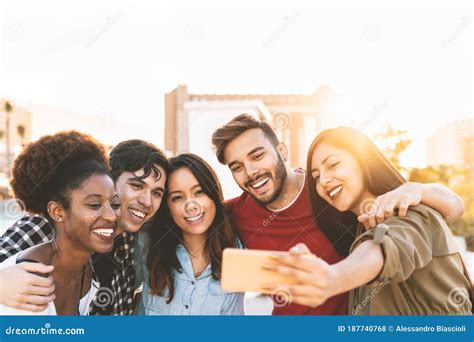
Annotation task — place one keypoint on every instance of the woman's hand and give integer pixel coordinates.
(384, 206)
(314, 279)
(21, 289)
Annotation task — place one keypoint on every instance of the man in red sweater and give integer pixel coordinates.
(274, 211)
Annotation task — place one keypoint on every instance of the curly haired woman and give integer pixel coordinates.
(65, 177)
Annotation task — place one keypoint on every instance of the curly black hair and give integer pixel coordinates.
(49, 168)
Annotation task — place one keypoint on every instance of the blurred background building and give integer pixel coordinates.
(190, 120)
(15, 131)
(452, 144)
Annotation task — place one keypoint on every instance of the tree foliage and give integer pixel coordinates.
(459, 179)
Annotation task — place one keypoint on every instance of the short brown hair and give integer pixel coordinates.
(235, 127)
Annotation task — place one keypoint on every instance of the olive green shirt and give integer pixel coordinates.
(422, 272)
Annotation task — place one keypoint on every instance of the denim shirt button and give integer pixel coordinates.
(192, 283)
(186, 306)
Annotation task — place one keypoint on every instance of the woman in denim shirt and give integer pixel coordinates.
(181, 271)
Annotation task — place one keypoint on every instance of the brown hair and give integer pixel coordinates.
(235, 127)
(165, 235)
(133, 155)
(380, 177)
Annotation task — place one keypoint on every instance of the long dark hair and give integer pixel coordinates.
(165, 235)
(380, 176)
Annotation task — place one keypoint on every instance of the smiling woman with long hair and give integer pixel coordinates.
(416, 263)
(408, 265)
(180, 263)
(65, 178)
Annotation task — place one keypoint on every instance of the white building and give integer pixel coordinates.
(190, 120)
(451, 145)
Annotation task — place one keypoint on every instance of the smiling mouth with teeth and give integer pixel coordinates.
(137, 213)
(260, 183)
(335, 191)
(194, 218)
(104, 231)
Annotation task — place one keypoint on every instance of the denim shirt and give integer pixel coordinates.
(193, 296)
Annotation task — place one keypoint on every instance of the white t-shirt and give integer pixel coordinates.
(84, 303)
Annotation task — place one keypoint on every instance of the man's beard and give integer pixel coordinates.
(278, 181)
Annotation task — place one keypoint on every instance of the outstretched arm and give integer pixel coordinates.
(443, 200)
(434, 195)
(316, 281)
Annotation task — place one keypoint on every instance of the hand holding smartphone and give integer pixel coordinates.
(242, 270)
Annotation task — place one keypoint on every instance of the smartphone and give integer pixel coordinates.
(242, 270)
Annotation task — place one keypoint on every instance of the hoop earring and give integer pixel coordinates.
(56, 218)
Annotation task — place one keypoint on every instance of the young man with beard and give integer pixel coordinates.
(274, 211)
(139, 170)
